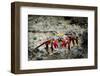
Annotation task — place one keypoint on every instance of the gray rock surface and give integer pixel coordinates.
(42, 27)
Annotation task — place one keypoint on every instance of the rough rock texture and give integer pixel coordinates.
(42, 27)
